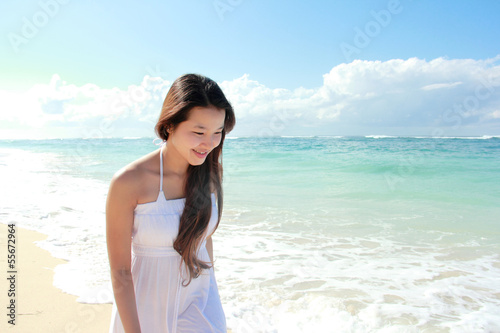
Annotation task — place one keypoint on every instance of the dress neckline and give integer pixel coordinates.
(161, 197)
(161, 194)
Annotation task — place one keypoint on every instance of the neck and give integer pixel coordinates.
(173, 162)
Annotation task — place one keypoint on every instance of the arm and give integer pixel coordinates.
(210, 248)
(120, 206)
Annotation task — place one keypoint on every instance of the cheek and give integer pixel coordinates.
(218, 140)
(192, 140)
(184, 140)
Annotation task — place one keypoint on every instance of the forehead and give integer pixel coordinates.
(206, 117)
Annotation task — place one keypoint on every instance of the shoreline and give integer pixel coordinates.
(39, 305)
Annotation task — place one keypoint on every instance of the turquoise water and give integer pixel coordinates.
(330, 234)
(451, 182)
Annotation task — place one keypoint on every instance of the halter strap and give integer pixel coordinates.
(161, 167)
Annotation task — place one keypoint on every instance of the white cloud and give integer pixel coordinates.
(441, 85)
(64, 109)
(411, 96)
(495, 114)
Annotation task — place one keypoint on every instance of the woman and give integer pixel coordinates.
(161, 212)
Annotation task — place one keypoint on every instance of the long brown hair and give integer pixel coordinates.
(186, 92)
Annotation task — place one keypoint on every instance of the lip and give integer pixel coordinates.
(200, 155)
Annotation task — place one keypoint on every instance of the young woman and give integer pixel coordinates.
(161, 212)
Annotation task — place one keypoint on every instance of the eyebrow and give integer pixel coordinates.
(203, 127)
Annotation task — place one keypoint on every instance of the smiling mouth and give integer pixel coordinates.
(201, 153)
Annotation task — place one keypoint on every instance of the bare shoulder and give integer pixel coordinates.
(130, 181)
(133, 172)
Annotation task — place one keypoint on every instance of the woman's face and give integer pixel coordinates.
(196, 137)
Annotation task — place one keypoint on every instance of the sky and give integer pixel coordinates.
(399, 67)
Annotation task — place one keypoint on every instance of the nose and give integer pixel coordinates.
(210, 142)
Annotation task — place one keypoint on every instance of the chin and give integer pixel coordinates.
(197, 164)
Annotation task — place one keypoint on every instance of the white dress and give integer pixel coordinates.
(164, 305)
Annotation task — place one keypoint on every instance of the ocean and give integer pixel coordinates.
(318, 234)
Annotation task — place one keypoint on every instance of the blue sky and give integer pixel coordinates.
(276, 58)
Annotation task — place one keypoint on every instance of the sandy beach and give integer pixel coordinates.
(39, 306)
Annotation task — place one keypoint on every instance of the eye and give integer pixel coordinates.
(198, 133)
(218, 132)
